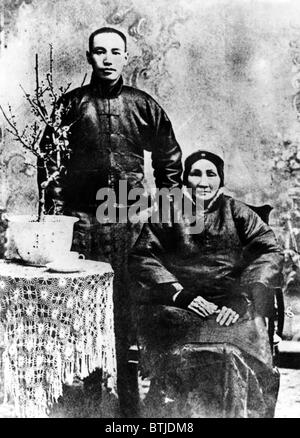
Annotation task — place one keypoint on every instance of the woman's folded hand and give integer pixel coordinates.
(227, 316)
(202, 307)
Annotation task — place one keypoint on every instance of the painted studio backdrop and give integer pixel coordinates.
(225, 72)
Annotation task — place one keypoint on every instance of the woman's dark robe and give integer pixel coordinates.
(197, 367)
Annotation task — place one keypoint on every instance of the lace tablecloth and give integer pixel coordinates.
(56, 326)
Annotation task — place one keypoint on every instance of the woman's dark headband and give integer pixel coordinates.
(203, 155)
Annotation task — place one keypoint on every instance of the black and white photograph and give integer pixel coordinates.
(149, 211)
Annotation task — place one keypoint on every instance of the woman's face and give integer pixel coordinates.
(204, 179)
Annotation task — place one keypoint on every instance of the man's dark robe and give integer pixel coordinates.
(110, 128)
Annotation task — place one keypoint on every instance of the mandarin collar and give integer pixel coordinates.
(104, 89)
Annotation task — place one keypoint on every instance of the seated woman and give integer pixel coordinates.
(203, 301)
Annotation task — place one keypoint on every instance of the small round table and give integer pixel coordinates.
(56, 326)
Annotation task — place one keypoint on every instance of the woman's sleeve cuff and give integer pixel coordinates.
(183, 299)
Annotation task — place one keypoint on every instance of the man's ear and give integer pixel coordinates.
(126, 57)
(88, 57)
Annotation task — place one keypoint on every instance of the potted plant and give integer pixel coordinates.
(36, 239)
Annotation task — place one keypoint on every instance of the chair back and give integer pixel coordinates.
(263, 211)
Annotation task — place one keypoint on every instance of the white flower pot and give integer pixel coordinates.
(38, 243)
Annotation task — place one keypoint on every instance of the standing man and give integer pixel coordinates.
(112, 125)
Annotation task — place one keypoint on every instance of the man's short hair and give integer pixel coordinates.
(106, 30)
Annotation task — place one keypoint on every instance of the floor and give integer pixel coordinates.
(75, 404)
(288, 405)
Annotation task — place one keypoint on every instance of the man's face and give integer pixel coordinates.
(108, 56)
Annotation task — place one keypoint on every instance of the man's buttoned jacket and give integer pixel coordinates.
(111, 127)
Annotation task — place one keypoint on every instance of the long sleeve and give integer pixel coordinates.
(165, 151)
(146, 264)
(263, 258)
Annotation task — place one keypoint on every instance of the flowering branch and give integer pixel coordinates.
(51, 157)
